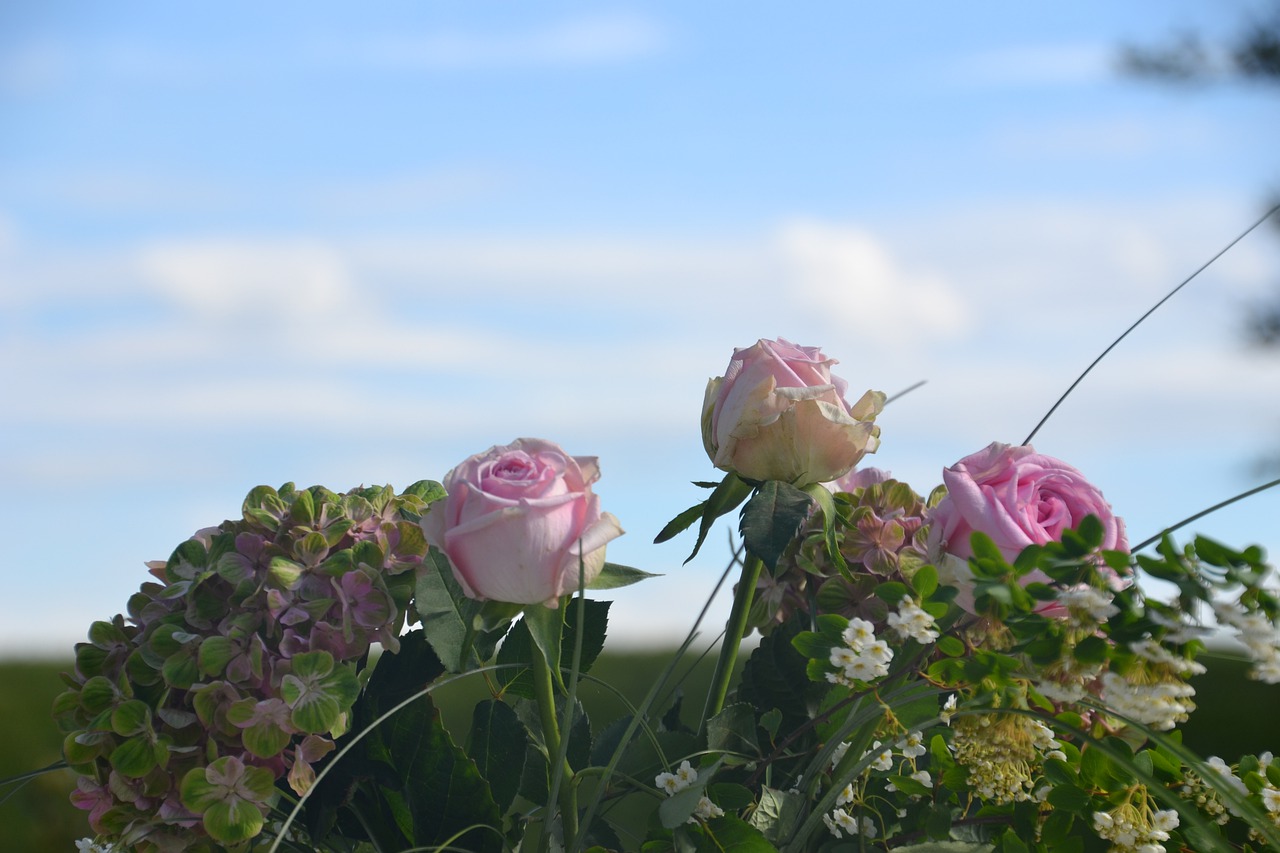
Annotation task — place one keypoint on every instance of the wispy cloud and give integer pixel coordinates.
(1036, 65)
(590, 40)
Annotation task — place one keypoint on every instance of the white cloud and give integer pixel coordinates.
(262, 280)
(597, 39)
(848, 277)
(1037, 65)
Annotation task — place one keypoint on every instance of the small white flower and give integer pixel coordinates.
(667, 782)
(845, 821)
(839, 754)
(913, 746)
(1165, 820)
(846, 796)
(883, 760)
(1271, 799)
(923, 777)
(705, 810)
(89, 845)
(858, 634)
(842, 656)
(948, 708)
(674, 783)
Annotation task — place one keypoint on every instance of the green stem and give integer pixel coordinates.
(544, 693)
(735, 629)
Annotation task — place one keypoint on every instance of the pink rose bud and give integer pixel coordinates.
(513, 519)
(779, 414)
(1017, 497)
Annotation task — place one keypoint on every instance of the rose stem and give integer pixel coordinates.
(734, 630)
(544, 692)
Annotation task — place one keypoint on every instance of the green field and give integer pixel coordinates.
(1235, 717)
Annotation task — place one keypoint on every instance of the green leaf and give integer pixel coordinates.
(724, 499)
(134, 758)
(497, 744)
(730, 834)
(679, 524)
(985, 549)
(827, 505)
(925, 581)
(950, 645)
(285, 572)
(891, 592)
(318, 692)
(772, 518)
(130, 718)
(778, 814)
(1071, 798)
(441, 786)
(614, 576)
(733, 731)
(1091, 649)
(775, 676)
(446, 612)
(215, 653)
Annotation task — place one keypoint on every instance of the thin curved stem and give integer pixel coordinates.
(735, 629)
(1202, 513)
(1149, 312)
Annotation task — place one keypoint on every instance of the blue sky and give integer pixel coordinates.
(335, 245)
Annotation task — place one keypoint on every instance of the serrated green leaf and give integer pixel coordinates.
(772, 518)
(497, 744)
(733, 731)
(446, 613)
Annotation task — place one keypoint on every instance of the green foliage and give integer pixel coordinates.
(772, 518)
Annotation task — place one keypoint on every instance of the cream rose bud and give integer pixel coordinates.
(513, 519)
(779, 414)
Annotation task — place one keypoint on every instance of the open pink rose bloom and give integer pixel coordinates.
(517, 519)
(1017, 497)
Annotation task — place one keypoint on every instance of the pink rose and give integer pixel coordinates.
(513, 519)
(1017, 497)
(779, 414)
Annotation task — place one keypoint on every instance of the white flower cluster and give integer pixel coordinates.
(1149, 649)
(674, 783)
(910, 622)
(1161, 704)
(1004, 754)
(1087, 607)
(89, 845)
(1256, 632)
(863, 658)
(1133, 831)
(840, 823)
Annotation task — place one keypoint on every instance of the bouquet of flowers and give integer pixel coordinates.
(977, 669)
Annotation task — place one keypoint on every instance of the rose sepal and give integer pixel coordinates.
(615, 576)
(725, 497)
(546, 627)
